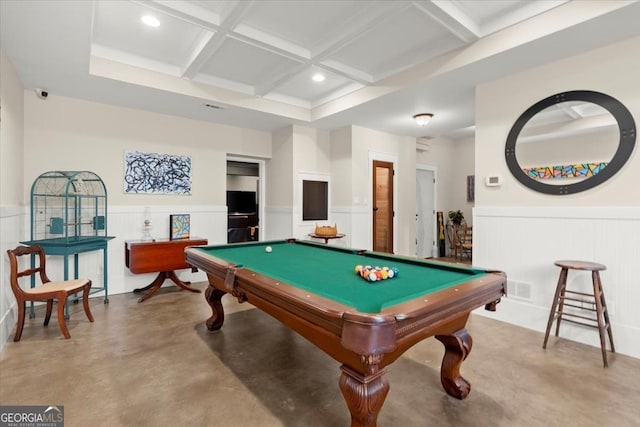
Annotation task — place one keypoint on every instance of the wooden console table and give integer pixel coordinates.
(162, 256)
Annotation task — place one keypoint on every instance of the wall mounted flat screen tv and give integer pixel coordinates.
(241, 202)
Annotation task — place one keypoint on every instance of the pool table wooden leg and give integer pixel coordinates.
(214, 299)
(364, 395)
(457, 348)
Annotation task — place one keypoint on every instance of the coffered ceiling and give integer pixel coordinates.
(251, 63)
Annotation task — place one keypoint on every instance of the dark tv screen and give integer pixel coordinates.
(315, 200)
(241, 201)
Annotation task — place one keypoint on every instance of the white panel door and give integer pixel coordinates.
(425, 215)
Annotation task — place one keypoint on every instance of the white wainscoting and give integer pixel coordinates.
(126, 223)
(12, 221)
(282, 225)
(280, 222)
(123, 222)
(361, 228)
(525, 243)
(341, 216)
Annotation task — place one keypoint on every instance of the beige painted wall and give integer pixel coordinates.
(609, 70)
(279, 170)
(11, 183)
(463, 166)
(71, 134)
(11, 134)
(311, 157)
(454, 161)
(523, 232)
(298, 152)
(296, 149)
(342, 178)
(367, 143)
(311, 150)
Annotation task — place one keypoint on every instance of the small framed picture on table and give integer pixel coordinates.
(179, 226)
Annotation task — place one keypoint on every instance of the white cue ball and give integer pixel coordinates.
(268, 249)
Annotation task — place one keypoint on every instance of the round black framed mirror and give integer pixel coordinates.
(621, 119)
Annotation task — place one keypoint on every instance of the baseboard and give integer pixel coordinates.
(513, 311)
(7, 324)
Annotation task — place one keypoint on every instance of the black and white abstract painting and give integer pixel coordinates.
(153, 173)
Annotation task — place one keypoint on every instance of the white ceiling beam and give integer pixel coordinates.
(366, 21)
(344, 90)
(568, 128)
(279, 77)
(522, 13)
(450, 17)
(344, 70)
(569, 110)
(117, 55)
(185, 11)
(205, 51)
(223, 83)
(202, 53)
(270, 43)
(276, 46)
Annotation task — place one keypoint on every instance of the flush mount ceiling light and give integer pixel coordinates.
(150, 21)
(317, 77)
(423, 118)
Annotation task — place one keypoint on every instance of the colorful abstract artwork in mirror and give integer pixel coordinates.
(578, 170)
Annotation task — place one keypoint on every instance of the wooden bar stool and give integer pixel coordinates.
(582, 301)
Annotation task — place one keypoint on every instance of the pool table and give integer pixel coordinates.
(313, 289)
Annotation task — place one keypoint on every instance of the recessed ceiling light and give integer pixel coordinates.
(151, 21)
(317, 77)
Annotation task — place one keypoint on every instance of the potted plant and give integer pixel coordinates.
(456, 217)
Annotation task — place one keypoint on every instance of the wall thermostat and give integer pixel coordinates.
(493, 181)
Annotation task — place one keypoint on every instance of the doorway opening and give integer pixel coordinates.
(245, 191)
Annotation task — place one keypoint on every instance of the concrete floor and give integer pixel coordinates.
(155, 364)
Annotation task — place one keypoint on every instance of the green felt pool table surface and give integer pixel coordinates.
(329, 271)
